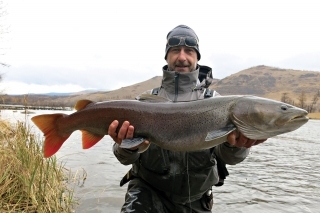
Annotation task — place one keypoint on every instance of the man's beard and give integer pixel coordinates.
(182, 65)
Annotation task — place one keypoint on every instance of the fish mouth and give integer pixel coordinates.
(292, 119)
(299, 118)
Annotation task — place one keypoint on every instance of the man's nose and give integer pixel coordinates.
(182, 55)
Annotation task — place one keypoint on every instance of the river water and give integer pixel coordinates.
(280, 175)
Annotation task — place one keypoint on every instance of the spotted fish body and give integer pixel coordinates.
(180, 126)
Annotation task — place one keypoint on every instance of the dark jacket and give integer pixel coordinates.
(183, 176)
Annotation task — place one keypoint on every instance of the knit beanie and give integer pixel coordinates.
(183, 31)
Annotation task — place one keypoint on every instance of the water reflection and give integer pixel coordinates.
(281, 175)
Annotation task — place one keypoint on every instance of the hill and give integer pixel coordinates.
(128, 92)
(263, 81)
(270, 82)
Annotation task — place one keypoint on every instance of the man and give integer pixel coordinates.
(166, 181)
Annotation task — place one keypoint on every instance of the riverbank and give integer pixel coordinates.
(315, 115)
(29, 182)
(278, 176)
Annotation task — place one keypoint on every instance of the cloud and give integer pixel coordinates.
(36, 79)
(224, 65)
(107, 46)
(306, 61)
(16, 88)
(43, 79)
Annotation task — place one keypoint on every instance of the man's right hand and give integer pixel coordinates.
(126, 131)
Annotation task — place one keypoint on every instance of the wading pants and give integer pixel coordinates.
(141, 197)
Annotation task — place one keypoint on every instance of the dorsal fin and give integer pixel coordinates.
(152, 98)
(82, 104)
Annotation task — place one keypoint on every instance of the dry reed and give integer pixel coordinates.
(29, 182)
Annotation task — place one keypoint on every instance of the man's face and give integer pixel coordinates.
(182, 59)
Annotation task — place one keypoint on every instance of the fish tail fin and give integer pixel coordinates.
(53, 140)
(89, 139)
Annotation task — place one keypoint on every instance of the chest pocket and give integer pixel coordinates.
(155, 160)
(162, 161)
(200, 160)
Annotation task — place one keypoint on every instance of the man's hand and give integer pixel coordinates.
(237, 139)
(126, 131)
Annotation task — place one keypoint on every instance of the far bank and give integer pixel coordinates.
(315, 115)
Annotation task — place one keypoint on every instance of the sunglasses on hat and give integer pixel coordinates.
(176, 41)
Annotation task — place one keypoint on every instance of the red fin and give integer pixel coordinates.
(82, 104)
(47, 124)
(89, 139)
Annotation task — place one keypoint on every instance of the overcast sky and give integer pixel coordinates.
(73, 45)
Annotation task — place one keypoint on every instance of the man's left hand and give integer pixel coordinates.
(237, 139)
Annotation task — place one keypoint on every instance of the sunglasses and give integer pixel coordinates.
(176, 41)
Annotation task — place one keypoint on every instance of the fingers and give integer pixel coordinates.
(112, 130)
(122, 134)
(142, 147)
(259, 141)
(243, 141)
(232, 138)
(126, 131)
(237, 139)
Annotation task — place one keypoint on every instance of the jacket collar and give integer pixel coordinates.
(186, 82)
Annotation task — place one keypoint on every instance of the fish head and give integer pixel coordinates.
(262, 118)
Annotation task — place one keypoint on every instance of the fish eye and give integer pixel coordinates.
(284, 107)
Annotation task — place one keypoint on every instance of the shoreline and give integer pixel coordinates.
(315, 115)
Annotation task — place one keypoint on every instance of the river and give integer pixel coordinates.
(280, 175)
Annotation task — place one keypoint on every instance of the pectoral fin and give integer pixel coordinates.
(133, 142)
(220, 133)
(143, 148)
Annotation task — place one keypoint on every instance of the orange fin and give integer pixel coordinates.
(89, 139)
(53, 140)
(82, 104)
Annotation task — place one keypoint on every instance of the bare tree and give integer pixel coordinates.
(302, 98)
(286, 99)
(314, 101)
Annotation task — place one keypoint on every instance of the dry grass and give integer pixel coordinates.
(29, 182)
(315, 115)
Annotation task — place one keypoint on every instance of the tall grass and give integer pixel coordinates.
(29, 182)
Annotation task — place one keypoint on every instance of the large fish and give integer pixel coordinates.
(179, 126)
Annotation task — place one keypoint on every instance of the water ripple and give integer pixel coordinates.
(280, 175)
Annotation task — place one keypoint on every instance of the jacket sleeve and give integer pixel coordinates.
(125, 156)
(230, 154)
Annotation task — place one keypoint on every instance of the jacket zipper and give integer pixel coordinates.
(176, 92)
(176, 86)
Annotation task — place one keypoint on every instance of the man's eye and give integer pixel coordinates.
(189, 50)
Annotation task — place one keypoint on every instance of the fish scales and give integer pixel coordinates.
(180, 126)
(165, 124)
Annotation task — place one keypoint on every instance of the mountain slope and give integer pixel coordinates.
(263, 81)
(269, 82)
